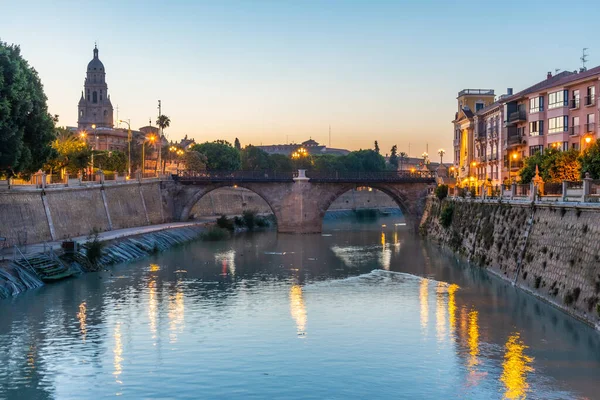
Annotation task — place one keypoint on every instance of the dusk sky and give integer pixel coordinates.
(267, 71)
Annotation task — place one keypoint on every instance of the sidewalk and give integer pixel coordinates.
(8, 253)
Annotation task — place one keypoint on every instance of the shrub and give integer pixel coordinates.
(262, 222)
(249, 217)
(214, 234)
(568, 299)
(538, 281)
(93, 247)
(237, 221)
(598, 309)
(446, 215)
(441, 191)
(225, 223)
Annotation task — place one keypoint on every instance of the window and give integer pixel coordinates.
(536, 149)
(536, 128)
(95, 97)
(591, 96)
(558, 99)
(590, 126)
(575, 99)
(575, 126)
(88, 95)
(100, 94)
(105, 113)
(558, 124)
(479, 106)
(81, 113)
(536, 104)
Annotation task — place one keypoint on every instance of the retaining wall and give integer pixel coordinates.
(551, 250)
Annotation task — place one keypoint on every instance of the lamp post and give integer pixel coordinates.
(441, 152)
(425, 155)
(128, 146)
(94, 146)
(474, 165)
(151, 139)
(587, 139)
(512, 156)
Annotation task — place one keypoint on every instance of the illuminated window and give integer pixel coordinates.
(536, 104)
(536, 128)
(558, 99)
(558, 124)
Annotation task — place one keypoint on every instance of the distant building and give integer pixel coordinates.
(94, 106)
(311, 146)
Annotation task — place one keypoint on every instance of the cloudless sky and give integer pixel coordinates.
(270, 71)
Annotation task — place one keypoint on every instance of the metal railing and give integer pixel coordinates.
(552, 189)
(523, 190)
(591, 127)
(234, 176)
(574, 103)
(574, 184)
(574, 130)
(595, 187)
(517, 116)
(590, 100)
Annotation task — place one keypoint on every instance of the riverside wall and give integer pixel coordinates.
(35, 216)
(550, 250)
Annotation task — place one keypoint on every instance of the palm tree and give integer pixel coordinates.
(163, 122)
(403, 155)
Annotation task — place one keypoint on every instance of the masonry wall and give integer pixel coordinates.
(236, 200)
(22, 218)
(551, 250)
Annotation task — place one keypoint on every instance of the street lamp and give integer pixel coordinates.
(425, 155)
(150, 139)
(94, 146)
(441, 152)
(128, 146)
(513, 156)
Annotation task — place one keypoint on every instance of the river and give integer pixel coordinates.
(363, 311)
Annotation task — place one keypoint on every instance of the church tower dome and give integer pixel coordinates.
(94, 106)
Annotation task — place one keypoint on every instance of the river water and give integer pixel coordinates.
(364, 311)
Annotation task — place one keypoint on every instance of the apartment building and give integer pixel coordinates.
(560, 112)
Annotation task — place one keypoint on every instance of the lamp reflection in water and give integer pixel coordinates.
(440, 311)
(385, 258)
(452, 307)
(423, 301)
(298, 309)
(82, 316)
(473, 340)
(152, 306)
(227, 260)
(118, 353)
(515, 368)
(176, 314)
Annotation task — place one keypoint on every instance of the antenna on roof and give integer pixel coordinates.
(583, 59)
(329, 136)
(556, 71)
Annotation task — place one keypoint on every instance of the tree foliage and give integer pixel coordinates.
(70, 152)
(554, 166)
(590, 161)
(220, 155)
(280, 162)
(376, 147)
(26, 127)
(394, 157)
(237, 145)
(255, 159)
(111, 161)
(194, 161)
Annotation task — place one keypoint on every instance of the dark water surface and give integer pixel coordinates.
(363, 311)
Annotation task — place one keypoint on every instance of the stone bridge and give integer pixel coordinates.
(299, 202)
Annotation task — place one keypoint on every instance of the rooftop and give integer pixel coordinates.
(486, 92)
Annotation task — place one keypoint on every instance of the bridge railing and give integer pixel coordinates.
(238, 176)
(363, 176)
(329, 176)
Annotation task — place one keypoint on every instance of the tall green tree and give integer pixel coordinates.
(194, 161)
(280, 162)
(26, 127)
(394, 157)
(220, 155)
(254, 159)
(237, 144)
(68, 147)
(376, 148)
(554, 166)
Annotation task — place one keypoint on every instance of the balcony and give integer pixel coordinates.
(517, 116)
(590, 100)
(590, 128)
(514, 140)
(574, 104)
(574, 131)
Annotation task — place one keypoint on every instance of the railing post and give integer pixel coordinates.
(483, 191)
(587, 186)
(532, 191)
(564, 190)
(66, 179)
(44, 177)
(513, 191)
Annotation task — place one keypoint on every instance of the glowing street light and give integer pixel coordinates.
(441, 152)
(151, 139)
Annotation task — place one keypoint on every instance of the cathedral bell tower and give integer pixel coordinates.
(95, 106)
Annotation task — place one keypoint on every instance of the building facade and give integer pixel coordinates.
(311, 146)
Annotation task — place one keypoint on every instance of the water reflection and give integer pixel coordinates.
(452, 307)
(227, 261)
(473, 340)
(82, 316)
(297, 309)
(176, 314)
(152, 306)
(118, 353)
(515, 368)
(440, 311)
(424, 302)
(385, 258)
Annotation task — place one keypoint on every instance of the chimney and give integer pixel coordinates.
(509, 91)
(549, 75)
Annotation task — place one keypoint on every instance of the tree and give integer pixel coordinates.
(194, 161)
(590, 161)
(403, 156)
(67, 147)
(254, 159)
(220, 154)
(366, 160)
(237, 145)
(394, 157)
(280, 162)
(376, 148)
(26, 127)
(111, 160)
(554, 165)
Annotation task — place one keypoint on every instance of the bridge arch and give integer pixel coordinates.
(200, 192)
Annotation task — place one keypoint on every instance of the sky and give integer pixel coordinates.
(277, 71)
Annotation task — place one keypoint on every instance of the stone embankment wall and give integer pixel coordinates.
(34, 216)
(236, 200)
(551, 250)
